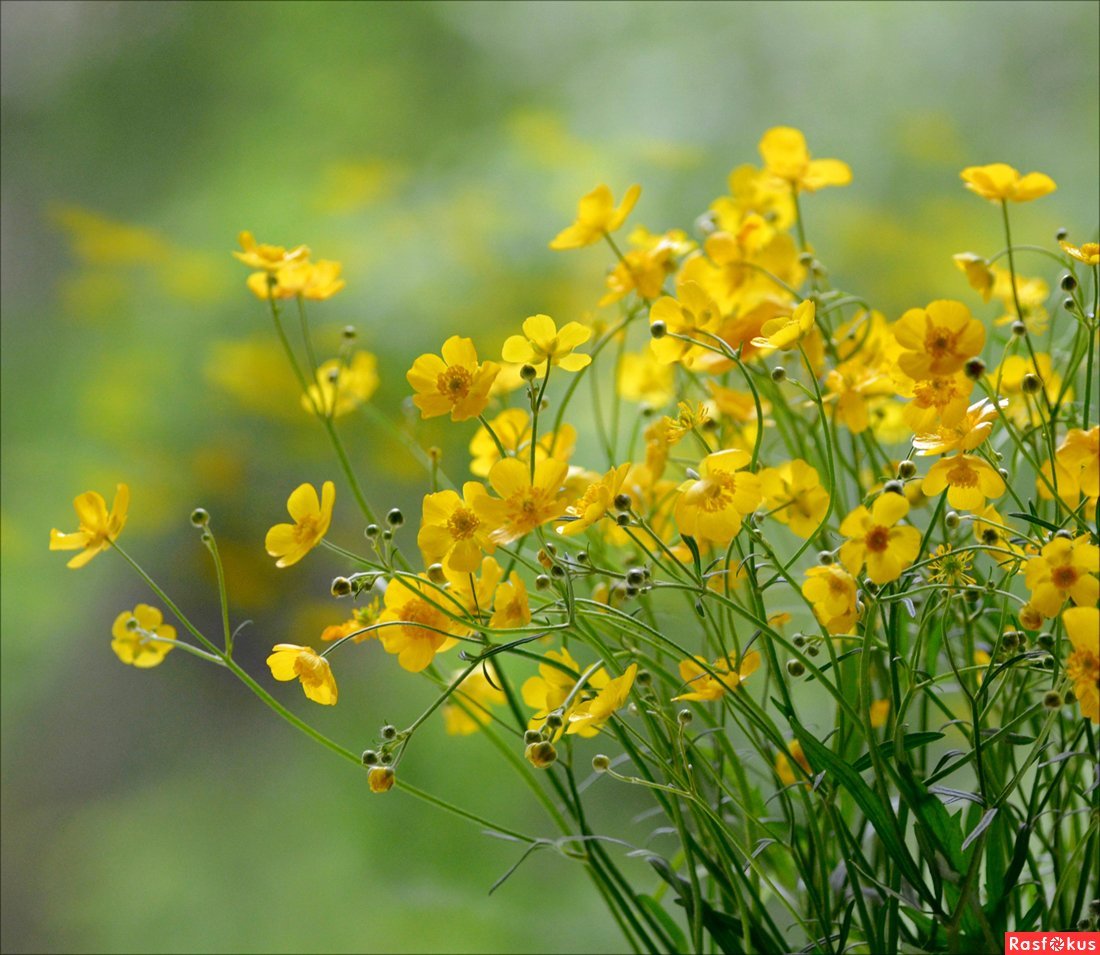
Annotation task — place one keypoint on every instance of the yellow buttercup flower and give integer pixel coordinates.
(968, 479)
(511, 608)
(1025, 409)
(597, 216)
(417, 628)
(1079, 454)
(1065, 569)
(317, 281)
(450, 530)
(643, 378)
(97, 528)
(268, 258)
(874, 540)
(939, 401)
(380, 779)
(341, 388)
(692, 314)
(990, 529)
(938, 340)
(456, 383)
(1086, 252)
(794, 496)
(786, 157)
(645, 267)
(588, 718)
(523, 504)
(291, 542)
(556, 679)
(291, 662)
(783, 765)
(950, 567)
(968, 434)
(978, 273)
(595, 503)
(141, 638)
(361, 618)
(832, 592)
(786, 333)
(477, 693)
(542, 342)
(513, 429)
(1083, 664)
(999, 182)
(712, 506)
(725, 676)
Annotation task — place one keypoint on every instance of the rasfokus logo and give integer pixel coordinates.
(1061, 943)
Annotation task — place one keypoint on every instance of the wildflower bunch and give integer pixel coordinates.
(828, 601)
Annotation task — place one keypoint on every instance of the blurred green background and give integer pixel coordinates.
(434, 149)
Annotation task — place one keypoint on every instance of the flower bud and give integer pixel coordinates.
(381, 779)
(1061, 234)
(540, 755)
(341, 587)
(1069, 304)
(395, 518)
(389, 731)
(370, 757)
(554, 721)
(1068, 283)
(635, 577)
(1019, 329)
(528, 372)
(1052, 700)
(825, 557)
(684, 717)
(779, 373)
(951, 520)
(658, 329)
(436, 574)
(372, 531)
(974, 369)
(799, 640)
(532, 736)
(893, 487)
(542, 582)
(795, 668)
(556, 570)
(600, 763)
(1045, 641)
(623, 502)
(132, 624)
(813, 650)
(349, 333)
(200, 517)
(623, 519)
(1031, 384)
(907, 469)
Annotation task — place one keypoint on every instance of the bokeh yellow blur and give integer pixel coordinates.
(433, 149)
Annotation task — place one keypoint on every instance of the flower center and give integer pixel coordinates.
(529, 507)
(717, 492)
(462, 523)
(940, 341)
(1083, 667)
(416, 611)
(1064, 577)
(962, 475)
(454, 382)
(877, 539)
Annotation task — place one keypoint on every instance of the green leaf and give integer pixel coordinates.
(1032, 519)
(886, 748)
(668, 923)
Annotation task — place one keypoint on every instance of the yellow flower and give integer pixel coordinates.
(1079, 454)
(968, 434)
(417, 629)
(1086, 252)
(1064, 569)
(594, 504)
(141, 638)
(588, 718)
(523, 504)
(450, 530)
(1024, 408)
(938, 340)
(873, 539)
(939, 401)
(999, 182)
(317, 281)
(725, 675)
(556, 679)
(291, 542)
(968, 479)
(513, 428)
(989, 529)
(596, 217)
(645, 267)
(880, 710)
(291, 662)
(691, 314)
(832, 592)
(785, 156)
(712, 506)
(541, 342)
(786, 332)
(511, 609)
(642, 378)
(977, 272)
(1083, 664)
(783, 764)
(361, 618)
(456, 383)
(478, 692)
(268, 258)
(857, 387)
(950, 567)
(794, 496)
(340, 387)
(381, 779)
(97, 529)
